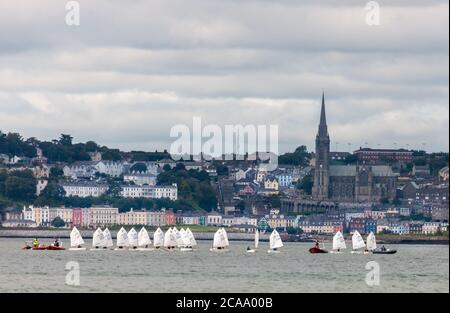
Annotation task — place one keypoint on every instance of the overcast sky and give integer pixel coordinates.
(135, 68)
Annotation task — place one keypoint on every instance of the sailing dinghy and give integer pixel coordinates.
(190, 241)
(144, 241)
(256, 243)
(371, 243)
(275, 242)
(185, 242)
(76, 241)
(98, 240)
(338, 243)
(221, 242)
(108, 239)
(158, 239)
(122, 240)
(133, 240)
(170, 240)
(358, 243)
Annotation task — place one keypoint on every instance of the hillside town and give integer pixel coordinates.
(389, 191)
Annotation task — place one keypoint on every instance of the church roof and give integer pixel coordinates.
(351, 170)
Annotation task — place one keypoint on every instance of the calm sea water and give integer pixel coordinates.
(416, 268)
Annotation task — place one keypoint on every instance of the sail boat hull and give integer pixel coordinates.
(356, 252)
(186, 249)
(218, 250)
(273, 251)
(251, 251)
(145, 249)
(77, 249)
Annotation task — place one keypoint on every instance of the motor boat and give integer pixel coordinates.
(316, 250)
(386, 251)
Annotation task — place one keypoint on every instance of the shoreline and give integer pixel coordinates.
(381, 239)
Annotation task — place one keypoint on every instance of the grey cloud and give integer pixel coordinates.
(133, 69)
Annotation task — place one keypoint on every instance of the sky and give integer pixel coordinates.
(133, 69)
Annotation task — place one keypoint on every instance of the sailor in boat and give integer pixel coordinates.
(35, 243)
(248, 248)
(383, 248)
(56, 243)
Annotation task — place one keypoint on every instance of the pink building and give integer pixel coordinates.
(170, 218)
(77, 217)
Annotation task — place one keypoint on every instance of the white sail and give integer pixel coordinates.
(98, 240)
(220, 240)
(371, 242)
(339, 241)
(75, 238)
(184, 240)
(191, 238)
(275, 240)
(122, 238)
(133, 240)
(143, 238)
(227, 243)
(358, 241)
(170, 239)
(108, 238)
(256, 239)
(179, 235)
(158, 238)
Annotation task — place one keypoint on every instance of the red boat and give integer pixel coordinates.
(55, 248)
(316, 250)
(40, 248)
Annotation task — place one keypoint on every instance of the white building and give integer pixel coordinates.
(110, 168)
(141, 179)
(431, 228)
(80, 170)
(156, 218)
(150, 192)
(284, 180)
(104, 216)
(84, 189)
(214, 218)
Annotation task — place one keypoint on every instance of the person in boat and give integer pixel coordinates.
(56, 243)
(248, 248)
(35, 243)
(317, 246)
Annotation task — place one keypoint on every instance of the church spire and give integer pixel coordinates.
(323, 128)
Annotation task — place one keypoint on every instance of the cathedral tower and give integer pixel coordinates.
(320, 190)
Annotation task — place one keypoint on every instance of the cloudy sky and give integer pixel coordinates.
(135, 68)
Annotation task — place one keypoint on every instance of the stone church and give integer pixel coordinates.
(348, 183)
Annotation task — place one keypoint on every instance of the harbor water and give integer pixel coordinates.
(415, 268)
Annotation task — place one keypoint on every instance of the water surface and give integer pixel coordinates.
(416, 268)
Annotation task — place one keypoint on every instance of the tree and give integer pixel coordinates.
(306, 184)
(65, 140)
(167, 167)
(20, 185)
(139, 168)
(300, 157)
(56, 173)
(58, 222)
(54, 191)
